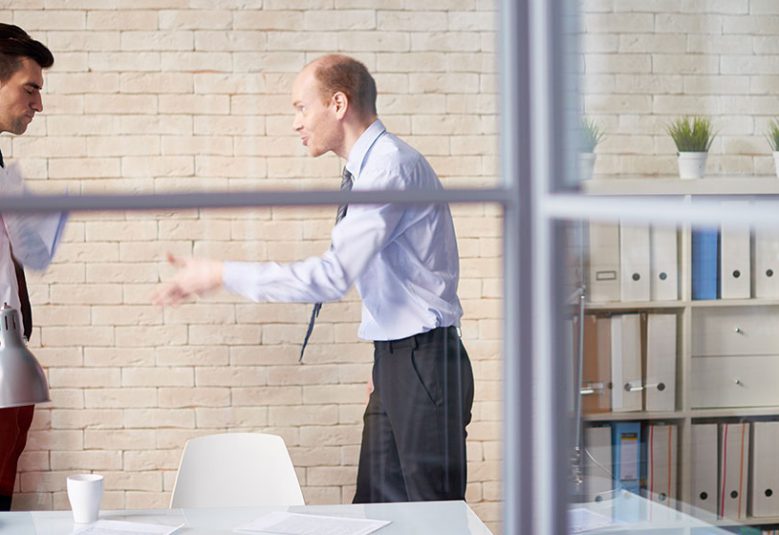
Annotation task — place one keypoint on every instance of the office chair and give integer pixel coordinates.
(235, 469)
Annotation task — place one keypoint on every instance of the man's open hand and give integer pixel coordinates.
(195, 276)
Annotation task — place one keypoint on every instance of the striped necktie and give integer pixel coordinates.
(346, 185)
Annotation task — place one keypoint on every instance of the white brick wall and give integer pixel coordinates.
(647, 62)
(171, 95)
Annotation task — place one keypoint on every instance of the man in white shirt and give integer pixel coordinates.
(405, 265)
(22, 61)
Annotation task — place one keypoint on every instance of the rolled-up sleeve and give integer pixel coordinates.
(356, 240)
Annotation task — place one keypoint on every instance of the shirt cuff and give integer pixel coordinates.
(238, 278)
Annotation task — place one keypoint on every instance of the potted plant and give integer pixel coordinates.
(773, 140)
(693, 137)
(591, 135)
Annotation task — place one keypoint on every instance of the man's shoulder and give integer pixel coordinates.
(391, 150)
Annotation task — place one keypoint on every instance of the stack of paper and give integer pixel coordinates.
(281, 523)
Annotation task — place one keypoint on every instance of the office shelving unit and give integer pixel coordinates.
(687, 310)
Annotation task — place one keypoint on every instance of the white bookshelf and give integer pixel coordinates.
(686, 308)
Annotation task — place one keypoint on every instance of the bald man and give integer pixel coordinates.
(405, 265)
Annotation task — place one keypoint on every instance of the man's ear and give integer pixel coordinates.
(341, 104)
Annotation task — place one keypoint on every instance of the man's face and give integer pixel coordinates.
(20, 97)
(316, 120)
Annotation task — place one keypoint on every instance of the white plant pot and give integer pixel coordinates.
(776, 163)
(692, 164)
(586, 165)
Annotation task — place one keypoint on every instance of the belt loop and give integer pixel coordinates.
(389, 344)
(415, 345)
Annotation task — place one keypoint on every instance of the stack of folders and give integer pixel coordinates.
(735, 471)
(635, 263)
(723, 266)
(640, 458)
(629, 363)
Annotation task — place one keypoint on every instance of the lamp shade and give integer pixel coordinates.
(22, 381)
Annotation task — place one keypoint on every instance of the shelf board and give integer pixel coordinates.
(730, 412)
(716, 185)
(748, 521)
(703, 303)
(733, 412)
(637, 415)
(630, 305)
(753, 302)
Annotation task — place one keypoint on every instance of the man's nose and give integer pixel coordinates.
(37, 103)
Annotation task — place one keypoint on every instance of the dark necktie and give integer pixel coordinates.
(24, 296)
(346, 185)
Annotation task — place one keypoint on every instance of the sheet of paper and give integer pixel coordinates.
(281, 523)
(117, 527)
(582, 520)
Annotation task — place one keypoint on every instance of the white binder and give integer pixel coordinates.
(660, 380)
(634, 262)
(765, 469)
(734, 459)
(704, 468)
(662, 462)
(766, 267)
(735, 265)
(664, 261)
(603, 275)
(598, 481)
(626, 363)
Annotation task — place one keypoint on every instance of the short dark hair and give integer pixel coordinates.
(336, 72)
(15, 44)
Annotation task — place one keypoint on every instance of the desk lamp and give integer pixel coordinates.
(22, 381)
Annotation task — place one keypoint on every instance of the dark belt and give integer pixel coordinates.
(439, 333)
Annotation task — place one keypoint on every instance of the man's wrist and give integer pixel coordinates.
(218, 273)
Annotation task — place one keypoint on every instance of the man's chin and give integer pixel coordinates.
(19, 128)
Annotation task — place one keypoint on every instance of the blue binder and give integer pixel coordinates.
(628, 468)
(705, 264)
(627, 456)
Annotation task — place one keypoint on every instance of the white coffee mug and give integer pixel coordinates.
(84, 493)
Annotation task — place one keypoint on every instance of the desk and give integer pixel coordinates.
(415, 518)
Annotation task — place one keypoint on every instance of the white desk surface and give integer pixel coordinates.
(415, 518)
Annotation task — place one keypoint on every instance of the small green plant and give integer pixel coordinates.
(773, 134)
(691, 134)
(591, 135)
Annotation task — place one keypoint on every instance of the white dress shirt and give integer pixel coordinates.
(9, 287)
(403, 259)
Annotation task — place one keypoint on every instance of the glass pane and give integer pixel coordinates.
(648, 65)
(131, 382)
(193, 97)
(184, 98)
(672, 343)
(673, 354)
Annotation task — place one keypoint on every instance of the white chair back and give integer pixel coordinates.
(236, 469)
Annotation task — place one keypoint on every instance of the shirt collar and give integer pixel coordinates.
(363, 146)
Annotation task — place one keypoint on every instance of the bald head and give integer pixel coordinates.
(338, 73)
